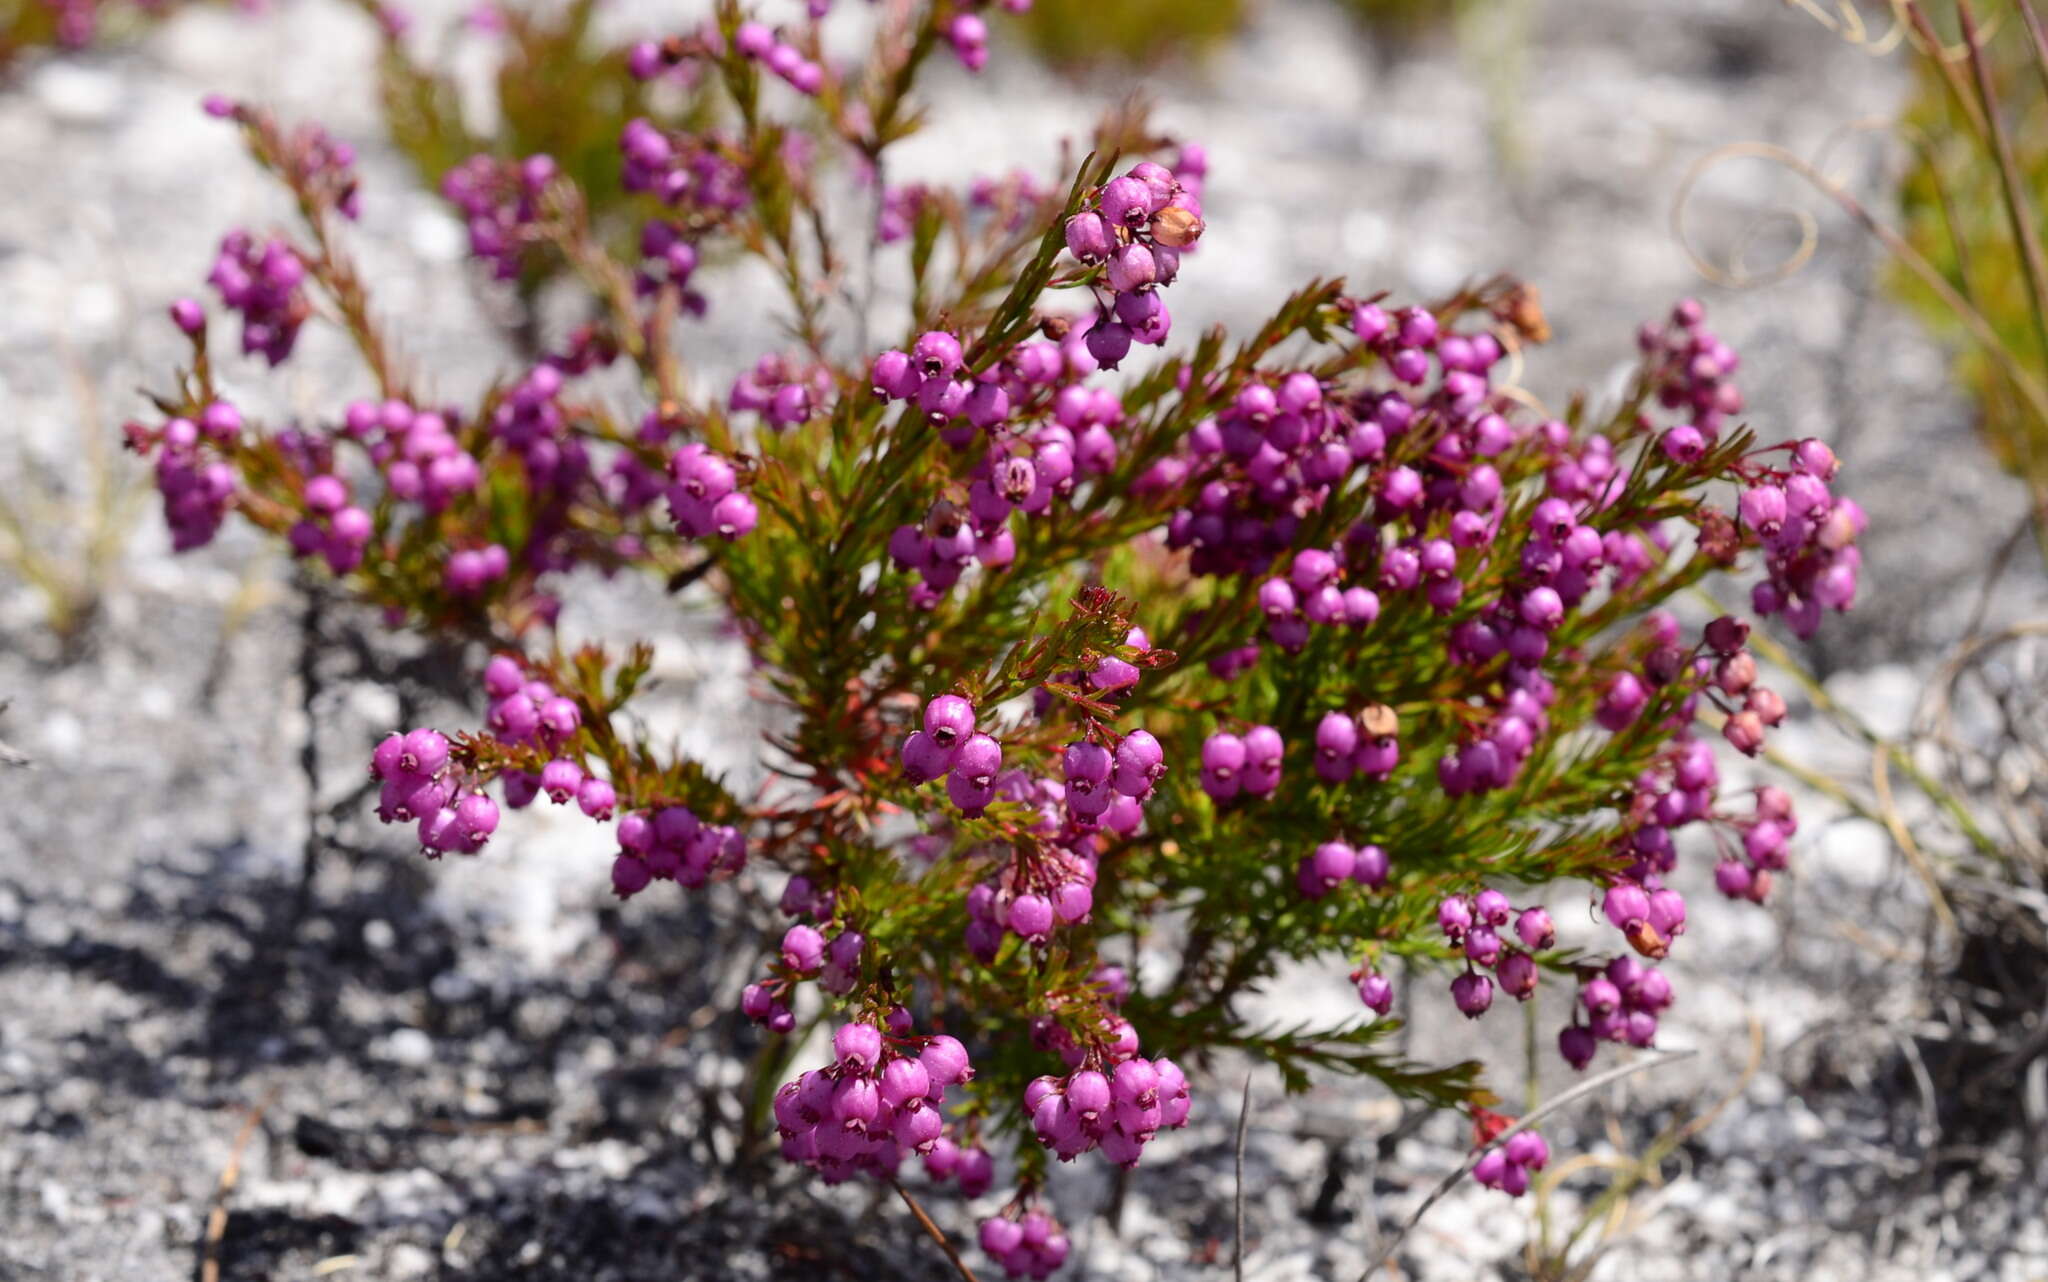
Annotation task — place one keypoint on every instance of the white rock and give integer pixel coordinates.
(408, 1260)
(77, 94)
(407, 1046)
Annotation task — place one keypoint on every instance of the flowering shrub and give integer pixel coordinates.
(1108, 674)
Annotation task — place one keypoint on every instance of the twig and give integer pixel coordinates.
(217, 1217)
(1527, 1120)
(309, 748)
(1244, 1117)
(1995, 572)
(933, 1229)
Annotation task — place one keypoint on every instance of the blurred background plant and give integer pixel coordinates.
(1643, 1160)
(559, 90)
(1972, 200)
(26, 25)
(1075, 34)
(65, 536)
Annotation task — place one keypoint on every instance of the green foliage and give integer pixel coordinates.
(847, 646)
(1409, 16)
(27, 25)
(1077, 33)
(1141, 33)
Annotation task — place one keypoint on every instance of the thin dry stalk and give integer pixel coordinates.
(1576, 1093)
(217, 1216)
(1244, 1117)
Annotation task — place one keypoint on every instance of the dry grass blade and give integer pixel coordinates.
(1935, 722)
(217, 1216)
(1579, 1092)
(2025, 379)
(1244, 1117)
(1622, 1216)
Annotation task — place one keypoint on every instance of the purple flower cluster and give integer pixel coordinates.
(1117, 1106)
(1507, 1167)
(1097, 777)
(422, 783)
(1618, 1004)
(782, 392)
(1136, 227)
(1046, 430)
(1333, 863)
(318, 167)
(1031, 894)
(668, 259)
(969, 1166)
(1049, 880)
(1747, 874)
(667, 843)
(1690, 369)
(196, 487)
(415, 449)
(807, 952)
(703, 495)
(757, 41)
(500, 203)
(333, 529)
(1310, 593)
(1029, 1244)
(1809, 539)
(1680, 788)
(949, 747)
(262, 281)
(1368, 744)
(671, 843)
(877, 1102)
(1247, 764)
(529, 712)
(1473, 925)
(532, 422)
(689, 172)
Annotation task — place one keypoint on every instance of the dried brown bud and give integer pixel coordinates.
(1176, 228)
(1643, 937)
(1522, 307)
(1720, 541)
(1055, 327)
(1379, 721)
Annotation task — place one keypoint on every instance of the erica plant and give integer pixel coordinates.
(1111, 667)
